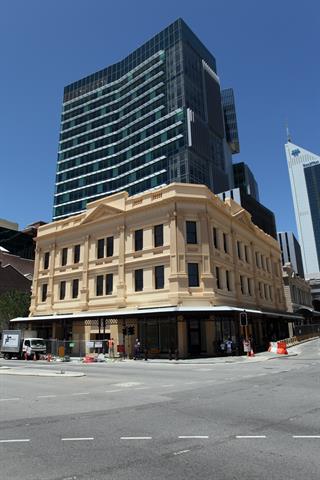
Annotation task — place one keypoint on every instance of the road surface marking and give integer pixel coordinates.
(190, 383)
(9, 399)
(81, 393)
(127, 384)
(305, 436)
(113, 391)
(167, 385)
(135, 438)
(76, 439)
(20, 440)
(46, 396)
(181, 451)
(193, 436)
(251, 436)
(141, 388)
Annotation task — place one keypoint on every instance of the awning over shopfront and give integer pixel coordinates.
(171, 310)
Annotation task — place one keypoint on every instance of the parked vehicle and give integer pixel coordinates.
(22, 343)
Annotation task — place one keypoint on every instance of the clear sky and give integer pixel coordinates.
(268, 51)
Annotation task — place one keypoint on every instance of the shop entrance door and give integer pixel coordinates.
(194, 336)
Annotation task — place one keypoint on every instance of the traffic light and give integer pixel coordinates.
(124, 331)
(243, 319)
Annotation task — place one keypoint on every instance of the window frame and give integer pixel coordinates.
(64, 256)
(138, 240)
(193, 275)
(99, 286)
(100, 248)
(138, 282)
(44, 292)
(110, 246)
(46, 260)
(191, 235)
(157, 285)
(62, 290)
(76, 253)
(75, 281)
(109, 291)
(156, 241)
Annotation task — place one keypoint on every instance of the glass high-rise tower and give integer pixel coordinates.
(304, 172)
(153, 118)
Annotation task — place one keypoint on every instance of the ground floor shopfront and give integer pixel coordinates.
(183, 332)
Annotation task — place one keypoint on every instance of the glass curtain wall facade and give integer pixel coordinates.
(304, 172)
(153, 118)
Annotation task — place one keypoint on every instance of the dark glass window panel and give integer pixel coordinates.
(75, 288)
(228, 280)
(100, 248)
(215, 237)
(46, 260)
(159, 276)
(44, 292)
(225, 243)
(218, 277)
(158, 235)
(62, 290)
(110, 243)
(99, 285)
(193, 275)
(109, 283)
(239, 249)
(191, 232)
(138, 240)
(64, 256)
(76, 254)
(138, 280)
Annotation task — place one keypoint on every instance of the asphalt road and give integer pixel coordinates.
(164, 421)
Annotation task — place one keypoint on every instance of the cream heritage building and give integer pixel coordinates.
(176, 264)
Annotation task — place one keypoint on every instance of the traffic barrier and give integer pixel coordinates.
(278, 347)
(273, 347)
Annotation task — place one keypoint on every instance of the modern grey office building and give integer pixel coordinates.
(304, 172)
(153, 118)
(291, 251)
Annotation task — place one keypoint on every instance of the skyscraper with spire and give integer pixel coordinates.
(304, 172)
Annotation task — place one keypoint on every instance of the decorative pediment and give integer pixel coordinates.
(244, 217)
(101, 211)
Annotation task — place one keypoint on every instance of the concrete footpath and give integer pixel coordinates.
(37, 372)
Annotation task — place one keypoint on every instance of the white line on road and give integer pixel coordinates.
(181, 451)
(9, 399)
(113, 391)
(141, 388)
(167, 385)
(46, 396)
(20, 440)
(80, 393)
(76, 439)
(305, 436)
(251, 436)
(135, 438)
(193, 436)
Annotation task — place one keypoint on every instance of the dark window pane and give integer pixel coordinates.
(100, 249)
(109, 283)
(228, 280)
(99, 289)
(138, 280)
(62, 290)
(159, 276)
(44, 292)
(76, 254)
(138, 240)
(191, 232)
(75, 288)
(225, 242)
(46, 260)
(218, 277)
(109, 246)
(193, 275)
(215, 237)
(158, 235)
(64, 256)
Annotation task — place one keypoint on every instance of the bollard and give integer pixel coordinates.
(176, 354)
(170, 354)
(146, 354)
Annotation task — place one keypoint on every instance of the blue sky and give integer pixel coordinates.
(268, 51)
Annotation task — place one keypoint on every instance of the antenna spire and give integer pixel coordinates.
(288, 133)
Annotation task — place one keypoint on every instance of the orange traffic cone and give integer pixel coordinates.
(251, 353)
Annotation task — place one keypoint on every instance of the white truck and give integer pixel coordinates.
(22, 344)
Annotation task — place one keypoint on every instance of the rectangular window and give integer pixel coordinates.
(215, 237)
(260, 290)
(158, 235)
(75, 288)
(110, 243)
(100, 248)
(99, 286)
(228, 283)
(138, 280)
(250, 286)
(225, 242)
(64, 256)
(191, 232)
(44, 292)
(76, 254)
(239, 249)
(242, 284)
(109, 283)
(62, 290)
(218, 277)
(266, 292)
(193, 274)
(246, 253)
(258, 259)
(159, 276)
(46, 260)
(138, 240)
